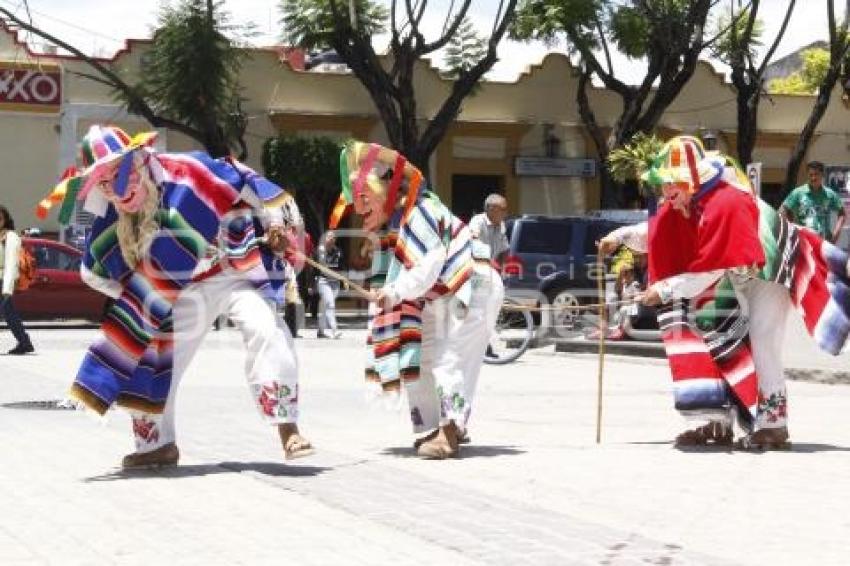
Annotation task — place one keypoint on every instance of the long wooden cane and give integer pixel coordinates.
(334, 275)
(603, 330)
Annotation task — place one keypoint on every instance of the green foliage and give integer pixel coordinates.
(731, 45)
(547, 20)
(630, 30)
(808, 79)
(630, 161)
(191, 72)
(464, 50)
(308, 167)
(632, 27)
(311, 23)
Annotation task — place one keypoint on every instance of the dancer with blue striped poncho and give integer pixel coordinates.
(179, 239)
(434, 303)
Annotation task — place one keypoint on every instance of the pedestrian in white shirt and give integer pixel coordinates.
(488, 228)
(10, 246)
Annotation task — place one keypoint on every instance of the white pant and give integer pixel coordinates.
(327, 305)
(767, 305)
(453, 346)
(270, 364)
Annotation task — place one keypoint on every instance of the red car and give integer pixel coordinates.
(58, 290)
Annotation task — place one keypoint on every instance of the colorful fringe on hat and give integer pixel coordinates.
(683, 159)
(100, 146)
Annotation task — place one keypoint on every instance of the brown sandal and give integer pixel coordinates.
(437, 450)
(167, 455)
(463, 439)
(297, 447)
(765, 439)
(712, 434)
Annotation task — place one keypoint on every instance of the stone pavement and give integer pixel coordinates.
(532, 488)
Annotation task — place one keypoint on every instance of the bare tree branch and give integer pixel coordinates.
(448, 17)
(447, 36)
(604, 44)
(732, 23)
(135, 103)
(769, 55)
(497, 16)
(464, 84)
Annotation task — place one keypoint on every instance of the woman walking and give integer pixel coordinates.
(329, 255)
(10, 247)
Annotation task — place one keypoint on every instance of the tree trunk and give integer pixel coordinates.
(802, 146)
(747, 108)
(608, 194)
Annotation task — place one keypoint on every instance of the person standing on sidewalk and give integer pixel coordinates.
(156, 216)
(10, 247)
(329, 255)
(434, 305)
(713, 243)
(488, 228)
(812, 205)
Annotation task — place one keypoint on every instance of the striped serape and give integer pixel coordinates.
(202, 200)
(396, 335)
(706, 340)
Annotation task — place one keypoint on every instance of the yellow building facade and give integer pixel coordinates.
(499, 142)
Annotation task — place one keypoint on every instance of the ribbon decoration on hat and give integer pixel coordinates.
(365, 169)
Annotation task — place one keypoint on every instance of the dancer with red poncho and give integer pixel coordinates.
(726, 269)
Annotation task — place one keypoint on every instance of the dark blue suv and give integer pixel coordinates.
(553, 260)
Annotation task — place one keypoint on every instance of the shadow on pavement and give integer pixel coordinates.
(194, 470)
(466, 451)
(798, 447)
(812, 447)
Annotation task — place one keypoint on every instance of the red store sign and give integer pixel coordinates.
(29, 87)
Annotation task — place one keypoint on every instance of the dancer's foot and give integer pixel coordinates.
(717, 434)
(294, 445)
(443, 445)
(463, 438)
(766, 439)
(167, 455)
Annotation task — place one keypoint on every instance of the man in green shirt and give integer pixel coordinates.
(811, 205)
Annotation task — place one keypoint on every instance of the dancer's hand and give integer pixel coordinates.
(651, 297)
(607, 245)
(276, 239)
(382, 298)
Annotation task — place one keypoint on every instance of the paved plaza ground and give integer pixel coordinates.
(532, 488)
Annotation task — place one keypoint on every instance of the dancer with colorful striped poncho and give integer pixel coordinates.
(434, 304)
(179, 239)
(726, 270)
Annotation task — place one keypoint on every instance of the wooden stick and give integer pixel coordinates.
(603, 330)
(338, 276)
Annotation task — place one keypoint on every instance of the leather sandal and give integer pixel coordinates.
(437, 450)
(766, 439)
(462, 439)
(712, 434)
(167, 455)
(297, 447)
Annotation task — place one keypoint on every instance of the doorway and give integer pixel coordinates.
(469, 192)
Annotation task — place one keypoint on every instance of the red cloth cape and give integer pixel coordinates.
(722, 232)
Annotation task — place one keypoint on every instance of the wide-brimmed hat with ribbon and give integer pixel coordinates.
(365, 180)
(683, 159)
(100, 147)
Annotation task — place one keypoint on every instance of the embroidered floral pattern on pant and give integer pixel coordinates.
(145, 430)
(451, 406)
(277, 401)
(774, 408)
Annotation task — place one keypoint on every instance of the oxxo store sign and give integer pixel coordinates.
(29, 87)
